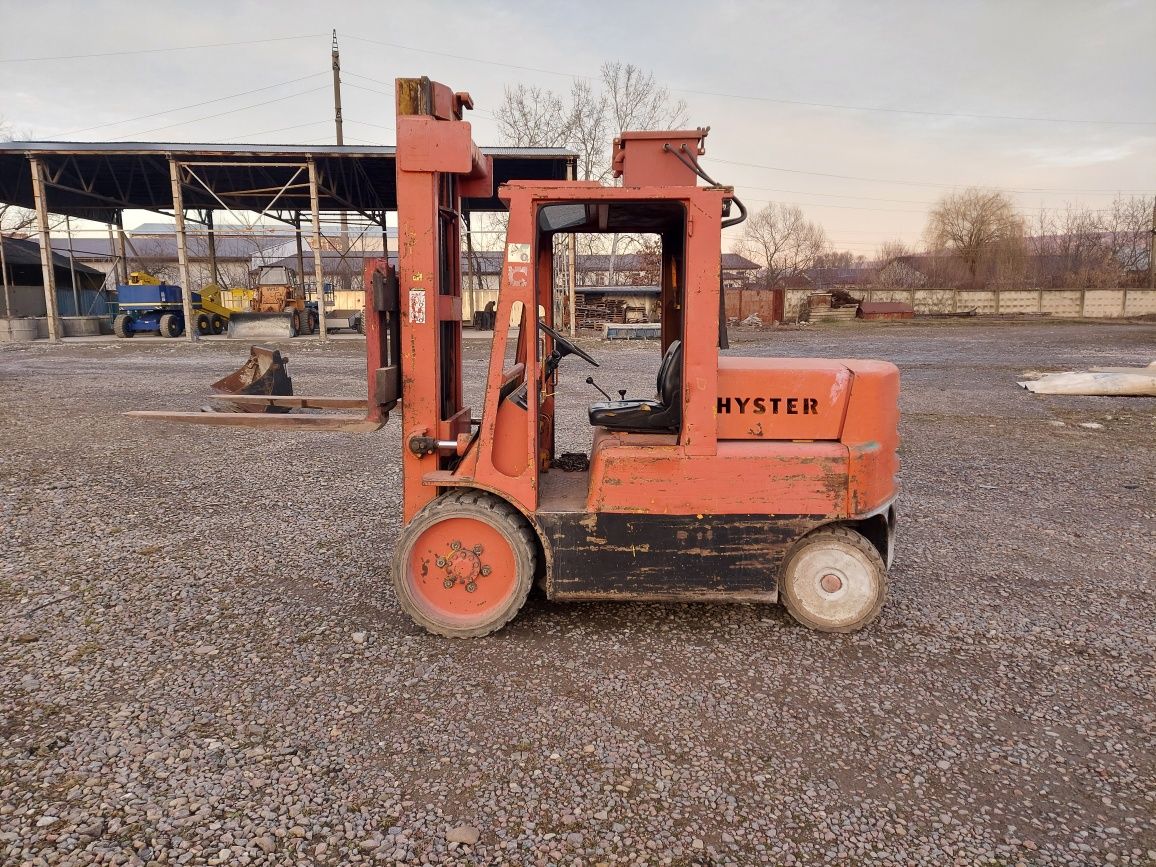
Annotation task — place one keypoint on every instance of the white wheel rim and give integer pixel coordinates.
(820, 567)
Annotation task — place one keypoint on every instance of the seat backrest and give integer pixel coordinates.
(670, 375)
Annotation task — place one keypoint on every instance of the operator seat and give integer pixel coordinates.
(641, 416)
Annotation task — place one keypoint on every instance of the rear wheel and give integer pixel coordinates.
(217, 323)
(171, 325)
(204, 324)
(834, 581)
(311, 318)
(122, 325)
(465, 564)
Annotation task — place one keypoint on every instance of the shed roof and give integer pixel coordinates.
(25, 251)
(93, 180)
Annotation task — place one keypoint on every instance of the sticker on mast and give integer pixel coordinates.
(518, 253)
(417, 306)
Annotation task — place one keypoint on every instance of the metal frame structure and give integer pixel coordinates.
(100, 180)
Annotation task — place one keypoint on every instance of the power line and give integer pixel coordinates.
(462, 57)
(230, 111)
(129, 51)
(281, 128)
(919, 183)
(916, 111)
(191, 105)
(781, 100)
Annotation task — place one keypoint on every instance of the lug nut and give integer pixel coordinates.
(471, 587)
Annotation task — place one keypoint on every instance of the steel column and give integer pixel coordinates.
(572, 276)
(72, 269)
(300, 247)
(4, 277)
(121, 252)
(213, 271)
(318, 271)
(50, 306)
(183, 251)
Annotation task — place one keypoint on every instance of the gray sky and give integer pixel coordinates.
(1089, 61)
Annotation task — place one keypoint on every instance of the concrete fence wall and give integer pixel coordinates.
(1094, 303)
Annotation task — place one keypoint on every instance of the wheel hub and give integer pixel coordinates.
(831, 583)
(463, 566)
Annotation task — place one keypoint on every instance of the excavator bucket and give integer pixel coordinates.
(263, 373)
(264, 326)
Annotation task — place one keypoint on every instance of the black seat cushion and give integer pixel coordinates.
(662, 414)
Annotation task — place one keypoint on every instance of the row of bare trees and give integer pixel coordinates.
(973, 238)
(978, 238)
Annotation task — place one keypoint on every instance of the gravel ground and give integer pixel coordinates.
(203, 663)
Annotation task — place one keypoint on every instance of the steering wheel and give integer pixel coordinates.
(568, 348)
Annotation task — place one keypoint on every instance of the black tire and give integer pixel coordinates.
(500, 516)
(204, 325)
(171, 325)
(311, 318)
(217, 323)
(295, 323)
(854, 565)
(122, 325)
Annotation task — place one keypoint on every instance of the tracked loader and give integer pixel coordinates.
(743, 479)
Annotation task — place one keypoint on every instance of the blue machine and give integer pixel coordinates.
(153, 307)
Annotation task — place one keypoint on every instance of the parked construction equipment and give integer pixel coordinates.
(146, 303)
(744, 479)
(278, 309)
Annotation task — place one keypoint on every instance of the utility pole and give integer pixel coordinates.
(343, 272)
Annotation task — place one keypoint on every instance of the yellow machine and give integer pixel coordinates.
(278, 310)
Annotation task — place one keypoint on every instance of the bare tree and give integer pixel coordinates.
(624, 97)
(1127, 226)
(978, 226)
(782, 240)
(891, 250)
(637, 102)
(534, 117)
(840, 259)
(900, 275)
(589, 130)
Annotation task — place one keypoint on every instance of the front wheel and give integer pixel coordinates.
(217, 323)
(834, 581)
(204, 325)
(122, 325)
(465, 564)
(171, 325)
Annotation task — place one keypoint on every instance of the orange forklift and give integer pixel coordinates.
(742, 480)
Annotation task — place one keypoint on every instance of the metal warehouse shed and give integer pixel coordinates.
(100, 180)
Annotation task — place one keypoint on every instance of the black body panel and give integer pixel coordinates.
(644, 556)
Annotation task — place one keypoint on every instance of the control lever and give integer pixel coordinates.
(622, 394)
(590, 381)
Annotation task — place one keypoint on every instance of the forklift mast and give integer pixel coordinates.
(415, 322)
